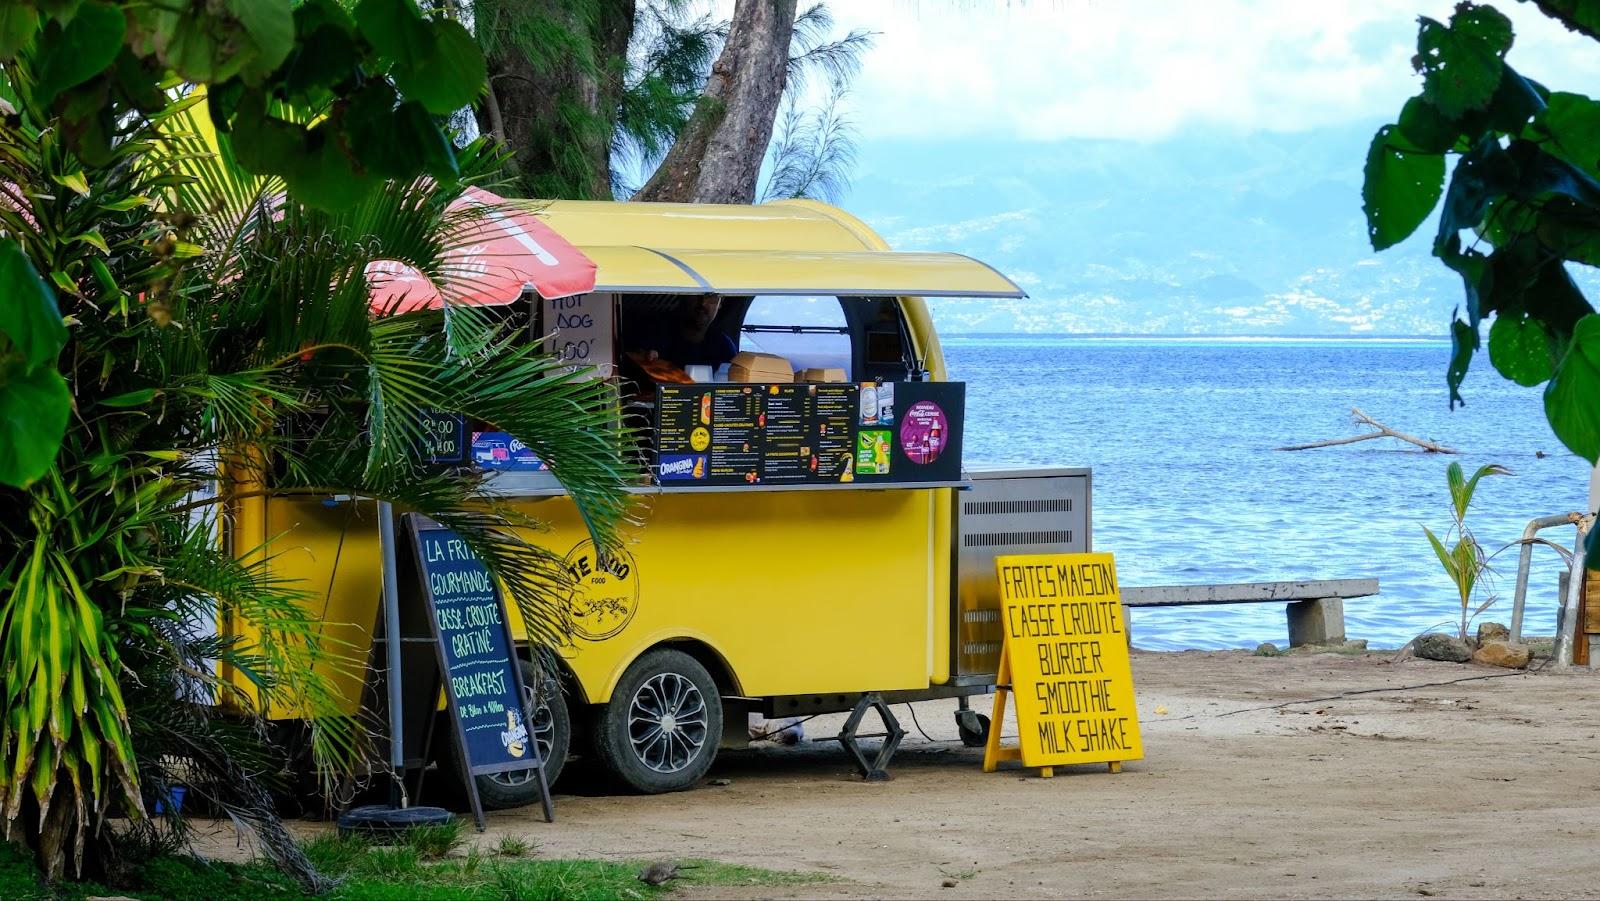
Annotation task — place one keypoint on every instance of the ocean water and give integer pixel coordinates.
(1188, 488)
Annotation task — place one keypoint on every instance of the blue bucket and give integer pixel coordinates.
(176, 795)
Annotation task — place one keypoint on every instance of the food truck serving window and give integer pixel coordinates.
(810, 332)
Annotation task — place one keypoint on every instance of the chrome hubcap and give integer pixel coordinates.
(542, 724)
(667, 723)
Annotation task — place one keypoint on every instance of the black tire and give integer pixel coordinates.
(661, 729)
(551, 724)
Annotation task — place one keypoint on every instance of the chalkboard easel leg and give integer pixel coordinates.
(1046, 772)
(1114, 766)
(544, 794)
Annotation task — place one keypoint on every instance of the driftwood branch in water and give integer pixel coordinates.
(1383, 431)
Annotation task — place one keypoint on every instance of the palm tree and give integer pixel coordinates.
(220, 336)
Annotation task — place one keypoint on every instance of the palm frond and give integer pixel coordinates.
(813, 49)
(812, 154)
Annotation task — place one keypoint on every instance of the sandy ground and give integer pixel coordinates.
(1423, 779)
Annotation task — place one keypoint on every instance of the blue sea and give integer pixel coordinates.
(1188, 488)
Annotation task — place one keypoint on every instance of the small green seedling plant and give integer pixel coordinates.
(1464, 561)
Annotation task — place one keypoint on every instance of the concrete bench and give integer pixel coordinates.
(1315, 609)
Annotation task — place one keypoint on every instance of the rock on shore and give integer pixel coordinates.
(1502, 653)
(1439, 646)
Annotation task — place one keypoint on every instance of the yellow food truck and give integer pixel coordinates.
(812, 540)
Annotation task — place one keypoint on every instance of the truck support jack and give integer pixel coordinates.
(849, 736)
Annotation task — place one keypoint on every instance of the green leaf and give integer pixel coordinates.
(1486, 27)
(1515, 104)
(1572, 399)
(18, 22)
(1463, 343)
(393, 28)
(125, 204)
(77, 181)
(437, 153)
(93, 239)
(33, 418)
(262, 143)
(1474, 185)
(1425, 128)
(451, 76)
(29, 315)
(323, 178)
(269, 24)
(437, 63)
(1519, 347)
(1571, 123)
(79, 51)
(1401, 186)
(1464, 493)
(1461, 64)
(130, 399)
(1439, 551)
(326, 53)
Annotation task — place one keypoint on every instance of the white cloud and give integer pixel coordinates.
(1145, 70)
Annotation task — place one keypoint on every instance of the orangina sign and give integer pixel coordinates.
(1065, 663)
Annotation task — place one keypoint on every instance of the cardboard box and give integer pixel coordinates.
(820, 375)
(754, 367)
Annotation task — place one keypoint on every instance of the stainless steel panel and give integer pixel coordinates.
(1011, 511)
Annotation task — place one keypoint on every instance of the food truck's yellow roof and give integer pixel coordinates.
(784, 247)
(783, 225)
(788, 247)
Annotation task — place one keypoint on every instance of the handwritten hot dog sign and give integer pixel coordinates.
(1066, 651)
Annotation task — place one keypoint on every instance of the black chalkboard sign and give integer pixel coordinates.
(444, 437)
(477, 658)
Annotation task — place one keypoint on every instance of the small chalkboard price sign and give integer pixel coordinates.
(1064, 663)
(444, 437)
(477, 660)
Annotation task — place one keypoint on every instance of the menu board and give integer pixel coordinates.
(476, 655)
(793, 434)
(580, 331)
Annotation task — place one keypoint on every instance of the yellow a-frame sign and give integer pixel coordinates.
(1064, 661)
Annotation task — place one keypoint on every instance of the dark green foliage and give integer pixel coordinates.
(1524, 193)
(174, 325)
(270, 66)
(1403, 183)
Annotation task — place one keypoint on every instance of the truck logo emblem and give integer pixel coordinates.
(605, 593)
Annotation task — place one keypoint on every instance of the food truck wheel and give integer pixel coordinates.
(551, 725)
(660, 731)
(974, 730)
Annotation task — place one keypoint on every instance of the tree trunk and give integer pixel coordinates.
(556, 113)
(718, 157)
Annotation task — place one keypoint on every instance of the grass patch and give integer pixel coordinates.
(428, 868)
(513, 846)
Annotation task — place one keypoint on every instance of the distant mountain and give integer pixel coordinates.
(1210, 234)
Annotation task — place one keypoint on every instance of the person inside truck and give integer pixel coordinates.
(683, 336)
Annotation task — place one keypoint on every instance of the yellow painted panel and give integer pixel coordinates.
(640, 270)
(1066, 650)
(331, 551)
(861, 273)
(730, 226)
(797, 592)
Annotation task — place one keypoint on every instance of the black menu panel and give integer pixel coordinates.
(793, 434)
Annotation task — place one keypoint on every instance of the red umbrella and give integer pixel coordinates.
(504, 251)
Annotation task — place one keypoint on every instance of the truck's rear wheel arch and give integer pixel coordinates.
(707, 657)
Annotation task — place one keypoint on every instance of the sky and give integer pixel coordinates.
(1149, 70)
(1174, 167)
